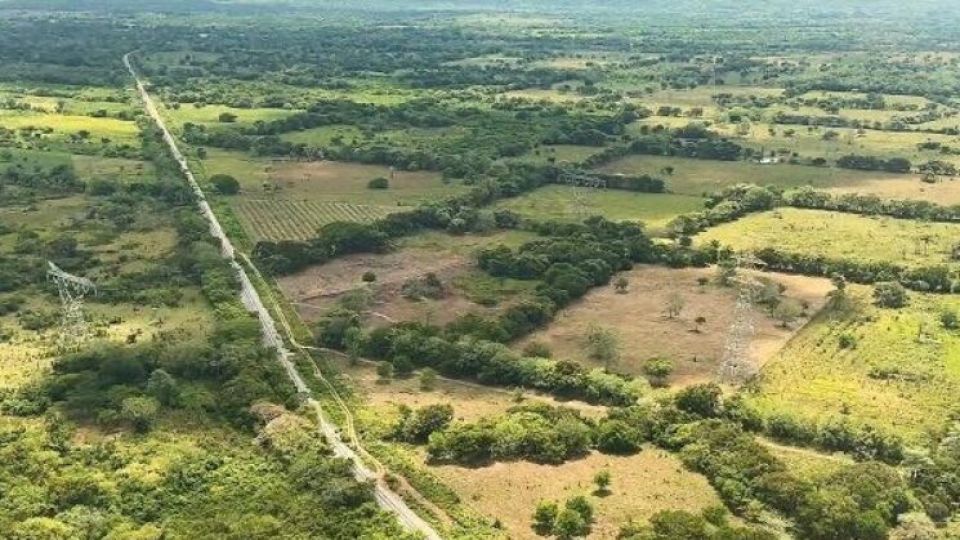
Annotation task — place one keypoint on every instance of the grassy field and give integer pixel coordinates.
(561, 202)
(328, 181)
(838, 235)
(699, 176)
(559, 153)
(316, 290)
(118, 131)
(638, 319)
(209, 115)
(902, 375)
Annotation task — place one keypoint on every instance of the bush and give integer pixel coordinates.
(369, 277)
(378, 183)
(225, 184)
(890, 294)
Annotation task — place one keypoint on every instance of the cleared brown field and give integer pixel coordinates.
(645, 332)
(317, 289)
(643, 484)
(945, 192)
(471, 402)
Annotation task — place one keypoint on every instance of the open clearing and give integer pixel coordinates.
(945, 192)
(569, 204)
(841, 236)
(903, 375)
(316, 290)
(645, 332)
(643, 484)
(700, 176)
(331, 181)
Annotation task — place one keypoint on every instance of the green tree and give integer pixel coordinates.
(544, 517)
(602, 481)
(657, 370)
(225, 184)
(570, 524)
(163, 387)
(428, 379)
(378, 183)
(140, 412)
(890, 294)
(787, 311)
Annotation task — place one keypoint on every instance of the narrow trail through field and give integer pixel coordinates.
(842, 459)
(384, 496)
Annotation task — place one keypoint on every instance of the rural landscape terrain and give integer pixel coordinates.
(479, 269)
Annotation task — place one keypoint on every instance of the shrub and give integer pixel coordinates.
(369, 277)
(378, 183)
(225, 184)
(890, 294)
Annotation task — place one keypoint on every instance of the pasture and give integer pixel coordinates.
(317, 290)
(902, 374)
(326, 181)
(699, 176)
(644, 330)
(839, 236)
(565, 203)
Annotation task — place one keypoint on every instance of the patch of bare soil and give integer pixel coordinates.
(639, 319)
(316, 290)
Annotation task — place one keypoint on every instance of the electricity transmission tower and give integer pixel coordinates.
(72, 289)
(580, 184)
(736, 366)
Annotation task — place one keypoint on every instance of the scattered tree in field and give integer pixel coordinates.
(163, 388)
(675, 305)
(356, 300)
(699, 322)
(621, 285)
(385, 372)
(949, 320)
(787, 311)
(726, 271)
(602, 481)
(368, 277)
(225, 184)
(537, 349)
(847, 341)
(140, 412)
(544, 517)
(378, 183)
(838, 296)
(890, 294)
(603, 345)
(227, 117)
(428, 379)
(569, 524)
(657, 370)
(353, 341)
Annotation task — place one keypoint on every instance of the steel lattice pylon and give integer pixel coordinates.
(72, 290)
(736, 366)
(579, 184)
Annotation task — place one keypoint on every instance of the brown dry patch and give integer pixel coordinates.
(645, 332)
(470, 402)
(643, 484)
(316, 290)
(946, 192)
